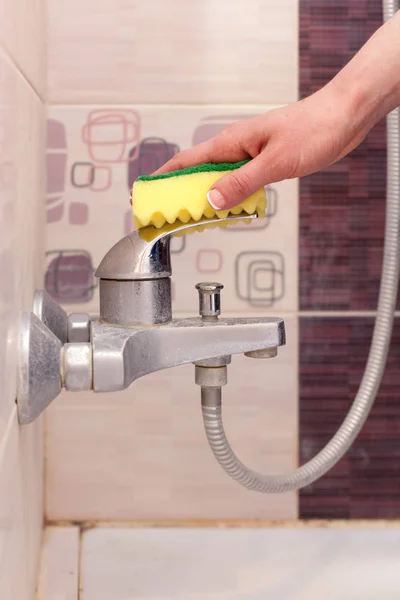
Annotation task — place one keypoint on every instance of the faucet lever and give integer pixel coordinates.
(145, 253)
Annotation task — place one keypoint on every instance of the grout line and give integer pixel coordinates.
(45, 463)
(296, 416)
(337, 313)
(296, 444)
(227, 524)
(79, 565)
(160, 105)
(297, 246)
(340, 313)
(93, 311)
(40, 564)
(6, 433)
(186, 314)
(9, 57)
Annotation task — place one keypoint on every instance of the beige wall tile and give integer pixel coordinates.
(88, 209)
(21, 258)
(20, 509)
(142, 453)
(9, 293)
(31, 468)
(225, 51)
(21, 216)
(30, 192)
(59, 568)
(23, 29)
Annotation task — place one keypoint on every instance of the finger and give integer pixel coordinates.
(237, 186)
(217, 150)
(187, 158)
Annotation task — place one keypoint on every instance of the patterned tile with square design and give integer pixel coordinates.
(175, 51)
(142, 453)
(94, 155)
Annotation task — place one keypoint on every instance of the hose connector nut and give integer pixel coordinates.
(213, 377)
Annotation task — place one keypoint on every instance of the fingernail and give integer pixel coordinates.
(216, 199)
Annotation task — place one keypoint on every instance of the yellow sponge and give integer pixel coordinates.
(182, 195)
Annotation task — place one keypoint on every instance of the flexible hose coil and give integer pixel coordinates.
(360, 409)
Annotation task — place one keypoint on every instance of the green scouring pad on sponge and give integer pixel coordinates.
(182, 195)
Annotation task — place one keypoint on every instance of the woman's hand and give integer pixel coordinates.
(283, 143)
(304, 137)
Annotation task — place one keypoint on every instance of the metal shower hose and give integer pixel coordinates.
(360, 409)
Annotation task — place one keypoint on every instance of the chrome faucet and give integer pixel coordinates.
(135, 333)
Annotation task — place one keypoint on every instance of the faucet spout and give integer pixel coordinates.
(121, 355)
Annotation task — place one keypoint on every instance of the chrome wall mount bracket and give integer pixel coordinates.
(48, 362)
(39, 377)
(135, 333)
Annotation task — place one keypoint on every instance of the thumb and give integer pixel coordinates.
(237, 186)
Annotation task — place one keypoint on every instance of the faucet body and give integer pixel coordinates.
(135, 333)
(121, 354)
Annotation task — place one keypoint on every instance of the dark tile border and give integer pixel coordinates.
(366, 482)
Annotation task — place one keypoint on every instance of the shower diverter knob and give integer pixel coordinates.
(209, 300)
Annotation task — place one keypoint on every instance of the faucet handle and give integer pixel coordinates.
(145, 253)
(135, 284)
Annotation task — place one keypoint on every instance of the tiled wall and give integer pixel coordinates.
(122, 104)
(143, 453)
(342, 213)
(22, 128)
(173, 51)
